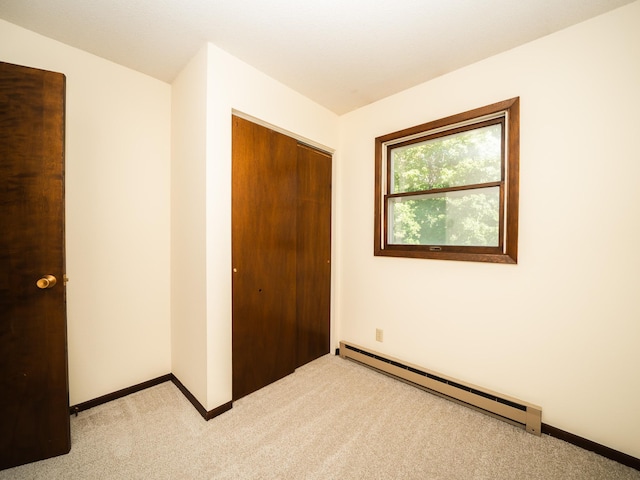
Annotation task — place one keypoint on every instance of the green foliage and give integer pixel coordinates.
(468, 217)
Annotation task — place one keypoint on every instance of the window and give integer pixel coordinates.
(448, 189)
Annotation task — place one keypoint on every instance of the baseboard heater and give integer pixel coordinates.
(509, 409)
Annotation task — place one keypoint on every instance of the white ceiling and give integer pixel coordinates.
(341, 53)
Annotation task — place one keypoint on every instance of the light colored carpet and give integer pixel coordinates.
(331, 419)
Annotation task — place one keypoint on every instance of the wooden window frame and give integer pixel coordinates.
(507, 251)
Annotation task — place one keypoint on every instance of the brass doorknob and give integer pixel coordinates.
(48, 281)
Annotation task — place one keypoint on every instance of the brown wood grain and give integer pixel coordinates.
(313, 254)
(281, 236)
(263, 256)
(34, 398)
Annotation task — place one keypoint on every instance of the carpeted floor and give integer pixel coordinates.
(331, 419)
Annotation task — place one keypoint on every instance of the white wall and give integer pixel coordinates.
(117, 214)
(188, 227)
(561, 328)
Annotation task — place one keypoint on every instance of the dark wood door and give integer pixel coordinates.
(263, 256)
(281, 235)
(34, 398)
(313, 254)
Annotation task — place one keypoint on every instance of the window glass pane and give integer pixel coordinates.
(460, 218)
(464, 158)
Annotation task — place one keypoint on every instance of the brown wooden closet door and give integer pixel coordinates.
(263, 256)
(314, 253)
(34, 395)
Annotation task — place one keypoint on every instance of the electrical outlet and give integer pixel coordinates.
(379, 334)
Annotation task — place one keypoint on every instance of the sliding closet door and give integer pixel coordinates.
(263, 256)
(281, 200)
(314, 253)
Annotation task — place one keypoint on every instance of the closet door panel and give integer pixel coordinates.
(263, 256)
(314, 253)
